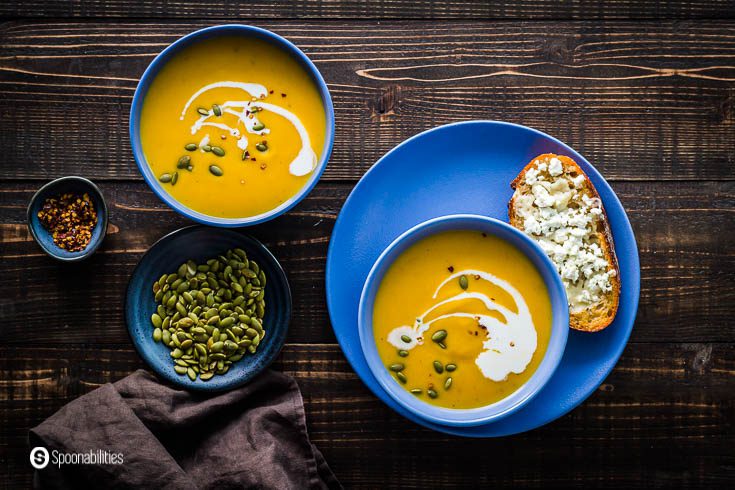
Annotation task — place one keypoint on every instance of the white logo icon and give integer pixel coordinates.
(39, 458)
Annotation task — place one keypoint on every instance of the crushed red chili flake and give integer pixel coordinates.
(70, 218)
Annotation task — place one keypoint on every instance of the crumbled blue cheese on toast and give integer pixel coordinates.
(563, 219)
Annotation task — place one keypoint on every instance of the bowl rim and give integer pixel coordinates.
(552, 356)
(104, 215)
(202, 387)
(152, 71)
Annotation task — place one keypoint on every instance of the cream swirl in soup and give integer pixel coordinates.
(509, 346)
(246, 112)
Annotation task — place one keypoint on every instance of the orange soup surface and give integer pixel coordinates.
(232, 127)
(462, 319)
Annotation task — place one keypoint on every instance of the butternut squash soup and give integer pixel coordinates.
(232, 127)
(462, 319)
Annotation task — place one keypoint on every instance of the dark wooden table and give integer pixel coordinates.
(645, 90)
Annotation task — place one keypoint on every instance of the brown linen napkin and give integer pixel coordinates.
(251, 437)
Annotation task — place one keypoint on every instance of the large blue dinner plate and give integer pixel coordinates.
(467, 168)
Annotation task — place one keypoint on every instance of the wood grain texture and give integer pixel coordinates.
(374, 9)
(634, 446)
(644, 89)
(684, 232)
(639, 100)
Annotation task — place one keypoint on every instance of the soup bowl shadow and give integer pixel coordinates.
(552, 356)
(202, 35)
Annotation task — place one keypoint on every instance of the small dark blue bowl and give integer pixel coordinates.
(75, 185)
(200, 243)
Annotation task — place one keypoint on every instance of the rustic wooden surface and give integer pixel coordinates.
(646, 90)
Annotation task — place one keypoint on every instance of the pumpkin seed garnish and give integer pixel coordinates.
(215, 170)
(202, 111)
(406, 339)
(463, 283)
(450, 367)
(261, 147)
(165, 178)
(207, 148)
(448, 383)
(258, 126)
(432, 393)
(403, 353)
(190, 147)
(439, 335)
(156, 320)
(199, 317)
(175, 178)
(438, 367)
(218, 151)
(401, 377)
(217, 110)
(417, 391)
(183, 162)
(397, 367)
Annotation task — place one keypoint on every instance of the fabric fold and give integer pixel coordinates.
(251, 437)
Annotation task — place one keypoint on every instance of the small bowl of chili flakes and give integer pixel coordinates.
(68, 218)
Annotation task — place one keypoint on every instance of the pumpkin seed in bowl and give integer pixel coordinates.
(210, 315)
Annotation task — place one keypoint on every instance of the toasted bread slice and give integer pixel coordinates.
(556, 204)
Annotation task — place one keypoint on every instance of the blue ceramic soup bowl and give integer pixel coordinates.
(201, 35)
(554, 351)
(74, 185)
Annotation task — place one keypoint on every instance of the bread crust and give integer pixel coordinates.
(603, 313)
